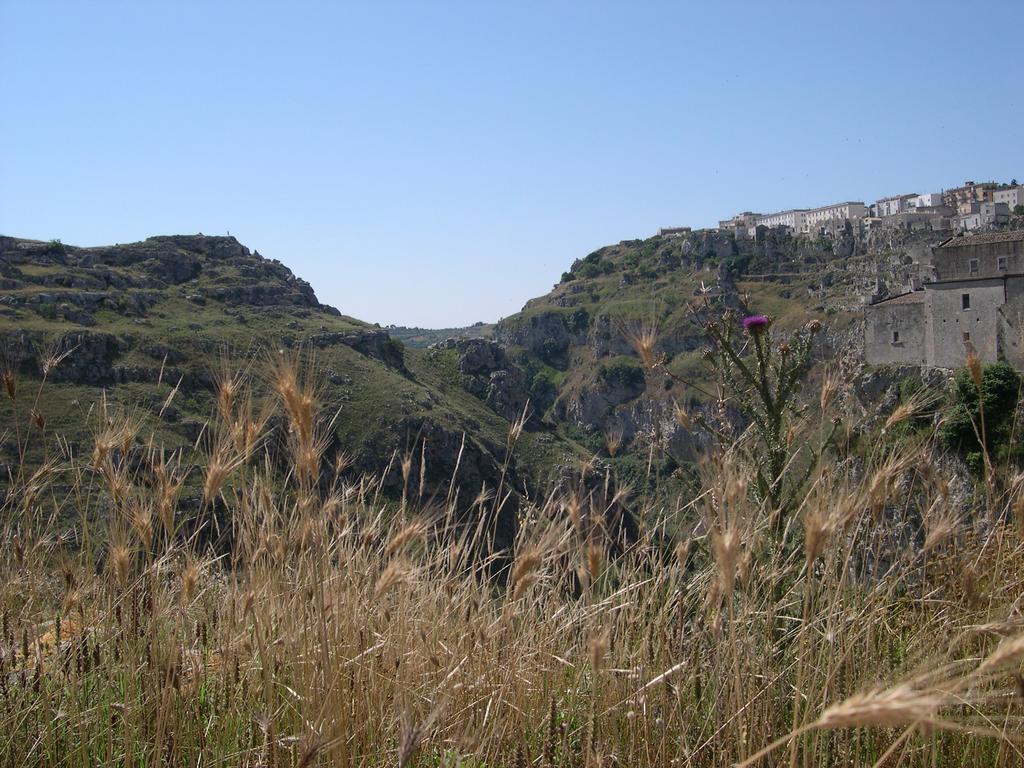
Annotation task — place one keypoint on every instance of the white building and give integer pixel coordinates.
(890, 206)
(794, 219)
(1012, 196)
(931, 200)
(832, 216)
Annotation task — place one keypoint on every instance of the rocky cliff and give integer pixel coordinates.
(573, 344)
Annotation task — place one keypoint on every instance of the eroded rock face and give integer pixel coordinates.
(477, 356)
(593, 406)
(130, 278)
(545, 335)
(443, 458)
(489, 374)
(85, 357)
(375, 343)
(507, 392)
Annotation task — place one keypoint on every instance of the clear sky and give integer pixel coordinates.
(440, 163)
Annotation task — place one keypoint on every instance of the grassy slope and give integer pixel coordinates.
(630, 285)
(369, 396)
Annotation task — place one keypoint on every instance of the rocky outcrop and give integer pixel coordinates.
(84, 357)
(592, 405)
(375, 343)
(544, 334)
(878, 388)
(488, 373)
(443, 458)
(507, 392)
(155, 264)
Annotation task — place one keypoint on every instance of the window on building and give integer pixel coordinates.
(1001, 263)
(974, 266)
(895, 337)
(965, 301)
(967, 336)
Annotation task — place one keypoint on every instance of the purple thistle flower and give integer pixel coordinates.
(755, 325)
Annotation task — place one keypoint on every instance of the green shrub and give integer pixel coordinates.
(579, 320)
(622, 373)
(394, 352)
(543, 391)
(990, 415)
(595, 268)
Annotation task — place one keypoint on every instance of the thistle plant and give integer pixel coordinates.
(761, 380)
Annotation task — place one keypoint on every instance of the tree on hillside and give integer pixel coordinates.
(983, 415)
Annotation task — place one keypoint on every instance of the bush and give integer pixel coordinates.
(595, 268)
(543, 391)
(622, 373)
(579, 320)
(990, 416)
(394, 352)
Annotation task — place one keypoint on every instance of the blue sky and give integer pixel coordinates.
(437, 164)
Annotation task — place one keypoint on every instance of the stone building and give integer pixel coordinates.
(975, 216)
(793, 218)
(1012, 196)
(974, 299)
(929, 200)
(831, 218)
(827, 218)
(742, 224)
(890, 206)
(961, 197)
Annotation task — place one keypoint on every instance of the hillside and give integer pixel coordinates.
(583, 373)
(144, 320)
(138, 320)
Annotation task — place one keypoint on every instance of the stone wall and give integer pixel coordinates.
(946, 321)
(903, 315)
(953, 261)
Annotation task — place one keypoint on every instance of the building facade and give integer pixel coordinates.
(813, 220)
(890, 206)
(1011, 196)
(960, 198)
(974, 301)
(793, 218)
(831, 217)
(746, 220)
(930, 200)
(975, 216)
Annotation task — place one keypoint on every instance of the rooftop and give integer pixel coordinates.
(897, 197)
(985, 238)
(911, 297)
(836, 205)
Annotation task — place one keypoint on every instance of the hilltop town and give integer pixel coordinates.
(967, 208)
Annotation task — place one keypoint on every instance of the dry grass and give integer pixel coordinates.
(343, 629)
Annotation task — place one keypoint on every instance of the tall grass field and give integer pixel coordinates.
(851, 610)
